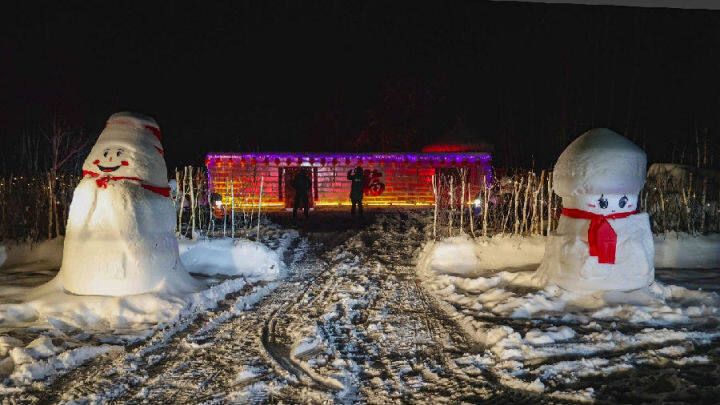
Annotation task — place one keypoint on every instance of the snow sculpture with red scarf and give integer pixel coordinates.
(602, 242)
(120, 237)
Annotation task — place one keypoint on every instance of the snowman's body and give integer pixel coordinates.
(567, 261)
(120, 236)
(602, 243)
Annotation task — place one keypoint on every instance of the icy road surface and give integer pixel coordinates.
(351, 323)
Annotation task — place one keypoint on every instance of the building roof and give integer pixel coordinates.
(321, 159)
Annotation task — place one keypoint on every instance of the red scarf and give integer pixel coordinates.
(102, 182)
(602, 238)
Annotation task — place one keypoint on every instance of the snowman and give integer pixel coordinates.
(120, 232)
(602, 242)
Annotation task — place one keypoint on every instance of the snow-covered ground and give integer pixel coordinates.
(560, 343)
(45, 331)
(373, 313)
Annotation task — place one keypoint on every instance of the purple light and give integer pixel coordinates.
(341, 157)
(297, 158)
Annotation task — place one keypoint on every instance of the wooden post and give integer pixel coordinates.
(541, 202)
(516, 228)
(262, 183)
(703, 202)
(191, 180)
(232, 208)
(462, 198)
(486, 206)
(526, 202)
(471, 215)
(435, 213)
(550, 199)
(181, 190)
(451, 211)
(51, 202)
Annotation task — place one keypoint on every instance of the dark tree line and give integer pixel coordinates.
(367, 75)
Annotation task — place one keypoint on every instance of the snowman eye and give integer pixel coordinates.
(603, 202)
(118, 153)
(105, 153)
(622, 202)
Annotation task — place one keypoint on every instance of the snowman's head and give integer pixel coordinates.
(600, 171)
(603, 204)
(129, 146)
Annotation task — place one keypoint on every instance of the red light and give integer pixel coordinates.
(449, 147)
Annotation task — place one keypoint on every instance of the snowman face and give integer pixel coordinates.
(606, 204)
(111, 159)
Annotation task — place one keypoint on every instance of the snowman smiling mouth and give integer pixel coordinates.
(107, 169)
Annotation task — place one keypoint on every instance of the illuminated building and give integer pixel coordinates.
(392, 179)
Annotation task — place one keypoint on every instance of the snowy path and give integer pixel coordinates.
(352, 323)
(349, 324)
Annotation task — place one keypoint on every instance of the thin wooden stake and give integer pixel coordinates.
(262, 182)
(486, 205)
(452, 206)
(435, 213)
(192, 201)
(232, 207)
(550, 199)
(462, 199)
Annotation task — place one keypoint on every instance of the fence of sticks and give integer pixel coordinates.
(36, 207)
(520, 204)
(523, 204)
(201, 213)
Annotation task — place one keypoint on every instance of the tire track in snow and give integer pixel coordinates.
(111, 378)
(372, 328)
(375, 336)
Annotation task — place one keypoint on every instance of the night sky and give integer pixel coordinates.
(365, 76)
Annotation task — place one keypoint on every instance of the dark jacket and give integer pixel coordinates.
(356, 189)
(301, 183)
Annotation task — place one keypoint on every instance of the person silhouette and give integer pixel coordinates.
(357, 178)
(302, 184)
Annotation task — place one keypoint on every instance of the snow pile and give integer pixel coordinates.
(28, 265)
(462, 255)
(50, 305)
(120, 237)
(82, 326)
(681, 250)
(231, 257)
(43, 253)
(41, 358)
(546, 339)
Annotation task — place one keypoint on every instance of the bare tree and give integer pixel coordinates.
(65, 145)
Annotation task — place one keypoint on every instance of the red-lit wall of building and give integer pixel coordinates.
(237, 179)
